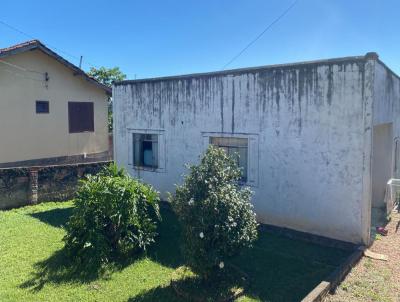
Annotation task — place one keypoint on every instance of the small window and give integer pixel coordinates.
(80, 117)
(145, 150)
(235, 147)
(42, 106)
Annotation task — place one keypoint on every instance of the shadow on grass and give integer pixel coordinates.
(279, 268)
(59, 269)
(159, 293)
(55, 217)
(222, 287)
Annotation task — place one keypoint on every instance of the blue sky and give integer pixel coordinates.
(158, 38)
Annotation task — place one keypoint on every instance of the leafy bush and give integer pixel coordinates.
(113, 214)
(216, 214)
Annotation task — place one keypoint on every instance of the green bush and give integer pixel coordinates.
(114, 214)
(215, 213)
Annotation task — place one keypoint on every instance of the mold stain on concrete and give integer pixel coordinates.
(233, 106)
(313, 112)
(330, 85)
(221, 88)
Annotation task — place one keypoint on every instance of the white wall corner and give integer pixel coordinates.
(368, 103)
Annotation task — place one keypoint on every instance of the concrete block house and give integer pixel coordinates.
(318, 140)
(51, 111)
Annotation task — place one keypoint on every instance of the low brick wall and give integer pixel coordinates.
(14, 187)
(23, 186)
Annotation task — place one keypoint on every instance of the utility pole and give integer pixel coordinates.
(80, 62)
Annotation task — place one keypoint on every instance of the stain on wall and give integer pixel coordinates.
(310, 128)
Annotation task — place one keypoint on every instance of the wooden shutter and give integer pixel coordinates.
(80, 117)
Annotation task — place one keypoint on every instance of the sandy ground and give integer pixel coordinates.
(375, 280)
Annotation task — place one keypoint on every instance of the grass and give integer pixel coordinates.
(34, 268)
(371, 285)
(375, 280)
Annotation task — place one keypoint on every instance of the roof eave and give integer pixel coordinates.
(77, 71)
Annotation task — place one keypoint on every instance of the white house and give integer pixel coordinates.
(318, 140)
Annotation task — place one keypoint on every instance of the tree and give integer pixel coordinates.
(107, 76)
(114, 215)
(215, 212)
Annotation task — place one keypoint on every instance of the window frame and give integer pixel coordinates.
(42, 102)
(161, 150)
(80, 128)
(142, 139)
(229, 151)
(253, 153)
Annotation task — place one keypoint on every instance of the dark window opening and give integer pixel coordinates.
(145, 150)
(80, 117)
(42, 107)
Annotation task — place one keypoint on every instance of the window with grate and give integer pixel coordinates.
(235, 147)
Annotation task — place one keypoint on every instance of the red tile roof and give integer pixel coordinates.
(23, 44)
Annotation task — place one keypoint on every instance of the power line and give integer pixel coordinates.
(23, 76)
(261, 34)
(21, 68)
(52, 46)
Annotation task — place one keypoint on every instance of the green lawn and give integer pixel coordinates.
(32, 263)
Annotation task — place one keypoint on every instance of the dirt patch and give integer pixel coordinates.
(375, 280)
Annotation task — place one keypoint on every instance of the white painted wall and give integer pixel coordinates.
(386, 123)
(382, 162)
(310, 130)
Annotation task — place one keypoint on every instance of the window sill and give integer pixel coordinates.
(74, 132)
(149, 169)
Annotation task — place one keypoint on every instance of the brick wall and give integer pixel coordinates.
(14, 187)
(23, 186)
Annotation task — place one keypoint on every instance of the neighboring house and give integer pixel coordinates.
(50, 110)
(318, 140)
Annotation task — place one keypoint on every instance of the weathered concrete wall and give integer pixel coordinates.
(386, 114)
(306, 128)
(55, 183)
(382, 162)
(386, 97)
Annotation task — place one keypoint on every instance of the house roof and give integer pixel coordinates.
(36, 44)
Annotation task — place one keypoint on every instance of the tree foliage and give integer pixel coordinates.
(215, 213)
(114, 214)
(107, 76)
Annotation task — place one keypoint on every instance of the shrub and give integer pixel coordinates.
(216, 215)
(113, 214)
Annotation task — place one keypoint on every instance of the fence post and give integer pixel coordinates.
(33, 177)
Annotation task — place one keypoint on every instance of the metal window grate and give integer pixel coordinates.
(235, 147)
